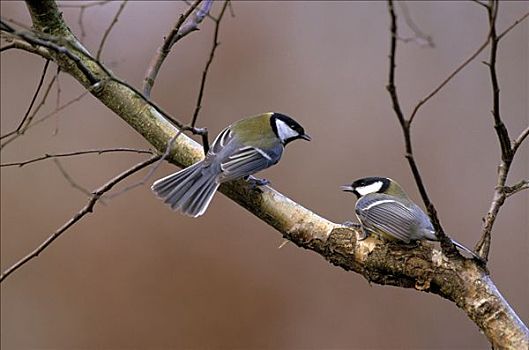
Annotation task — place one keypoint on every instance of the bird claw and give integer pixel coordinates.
(255, 182)
(351, 224)
(362, 233)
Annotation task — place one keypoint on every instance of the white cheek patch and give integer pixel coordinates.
(284, 132)
(373, 188)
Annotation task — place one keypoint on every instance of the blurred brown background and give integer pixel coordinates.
(136, 275)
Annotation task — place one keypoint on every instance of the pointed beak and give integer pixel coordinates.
(306, 137)
(347, 188)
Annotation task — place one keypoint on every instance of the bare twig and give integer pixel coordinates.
(57, 100)
(450, 77)
(20, 128)
(76, 153)
(516, 143)
(446, 243)
(520, 186)
(507, 149)
(85, 5)
(107, 32)
(88, 208)
(70, 179)
(51, 114)
(419, 37)
(216, 43)
(163, 51)
(464, 64)
(82, 8)
(518, 21)
(152, 170)
(479, 3)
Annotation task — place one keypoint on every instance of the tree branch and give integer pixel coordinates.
(208, 63)
(109, 29)
(88, 208)
(507, 149)
(19, 129)
(421, 267)
(76, 153)
(446, 243)
(162, 52)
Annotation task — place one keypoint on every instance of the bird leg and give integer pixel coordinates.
(256, 182)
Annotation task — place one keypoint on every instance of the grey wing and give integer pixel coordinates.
(245, 161)
(384, 213)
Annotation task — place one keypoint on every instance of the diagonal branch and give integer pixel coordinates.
(446, 243)
(76, 153)
(208, 63)
(507, 149)
(174, 35)
(87, 209)
(109, 29)
(70, 179)
(20, 128)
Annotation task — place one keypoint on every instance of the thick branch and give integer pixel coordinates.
(421, 267)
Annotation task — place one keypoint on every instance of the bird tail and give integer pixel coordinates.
(462, 247)
(189, 190)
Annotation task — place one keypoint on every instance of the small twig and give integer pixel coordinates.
(82, 8)
(70, 180)
(107, 32)
(57, 100)
(516, 143)
(216, 43)
(499, 126)
(152, 170)
(163, 51)
(464, 64)
(520, 186)
(507, 149)
(446, 243)
(88, 208)
(479, 3)
(86, 5)
(76, 153)
(38, 121)
(232, 11)
(450, 77)
(19, 129)
(419, 37)
(518, 21)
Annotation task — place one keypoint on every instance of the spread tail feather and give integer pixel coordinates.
(190, 190)
(462, 247)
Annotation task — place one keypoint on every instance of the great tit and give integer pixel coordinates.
(240, 150)
(383, 208)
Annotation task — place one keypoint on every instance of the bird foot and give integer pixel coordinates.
(255, 182)
(362, 232)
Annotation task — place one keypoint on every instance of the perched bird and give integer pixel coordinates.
(240, 150)
(383, 208)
